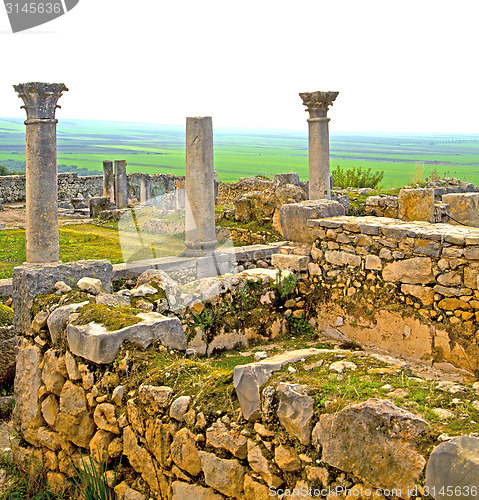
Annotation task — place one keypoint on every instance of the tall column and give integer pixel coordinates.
(317, 104)
(108, 180)
(41, 213)
(145, 189)
(121, 184)
(200, 237)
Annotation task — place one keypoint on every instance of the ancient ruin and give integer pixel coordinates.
(40, 103)
(339, 361)
(317, 105)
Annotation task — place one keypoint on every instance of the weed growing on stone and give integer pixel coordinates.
(111, 319)
(20, 485)
(91, 481)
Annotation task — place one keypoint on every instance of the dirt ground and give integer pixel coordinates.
(13, 215)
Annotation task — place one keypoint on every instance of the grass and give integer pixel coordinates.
(88, 241)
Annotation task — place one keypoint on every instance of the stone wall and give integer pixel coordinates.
(71, 185)
(406, 287)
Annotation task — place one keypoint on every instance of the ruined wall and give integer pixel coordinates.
(406, 287)
(71, 185)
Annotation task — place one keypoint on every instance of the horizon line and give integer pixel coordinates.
(244, 128)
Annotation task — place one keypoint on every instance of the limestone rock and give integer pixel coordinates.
(179, 407)
(49, 439)
(248, 379)
(254, 490)
(464, 207)
(320, 474)
(27, 414)
(95, 343)
(226, 476)
(373, 262)
(57, 482)
(57, 321)
(90, 285)
(287, 459)
(423, 293)
(155, 398)
(143, 290)
(415, 271)
(143, 463)
(157, 276)
(99, 446)
(62, 287)
(72, 366)
(113, 300)
(8, 353)
(39, 321)
(51, 375)
(218, 436)
(294, 217)
(158, 440)
(184, 452)
(105, 418)
(117, 395)
(30, 280)
(115, 448)
(74, 420)
(416, 204)
(134, 417)
(50, 408)
(341, 366)
(260, 465)
(295, 411)
(183, 491)
(373, 432)
(454, 464)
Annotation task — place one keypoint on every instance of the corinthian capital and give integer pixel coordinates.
(40, 99)
(318, 101)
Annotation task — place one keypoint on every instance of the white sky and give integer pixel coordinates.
(407, 66)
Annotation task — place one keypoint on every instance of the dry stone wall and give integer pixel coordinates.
(409, 287)
(71, 185)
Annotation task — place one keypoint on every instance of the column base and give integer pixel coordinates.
(200, 249)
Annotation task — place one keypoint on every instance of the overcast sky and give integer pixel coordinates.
(405, 66)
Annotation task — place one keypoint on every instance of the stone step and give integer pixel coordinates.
(298, 263)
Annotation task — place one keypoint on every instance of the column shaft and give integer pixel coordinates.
(145, 190)
(317, 104)
(319, 168)
(108, 180)
(121, 184)
(200, 237)
(41, 212)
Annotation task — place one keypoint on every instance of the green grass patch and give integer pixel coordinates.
(111, 318)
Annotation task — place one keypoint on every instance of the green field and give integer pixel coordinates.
(239, 153)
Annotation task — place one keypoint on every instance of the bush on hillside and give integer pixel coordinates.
(356, 177)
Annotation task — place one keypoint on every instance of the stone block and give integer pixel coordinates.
(415, 271)
(248, 379)
(416, 204)
(30, 280)
(8, 351)
(464, 208)
(294, 217)
(454, 466)
(98, 204)
(95, 343)
(374, 432)
(296, 263)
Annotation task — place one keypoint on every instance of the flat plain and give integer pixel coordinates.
(151, 148)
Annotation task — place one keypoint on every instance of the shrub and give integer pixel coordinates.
(356, 177)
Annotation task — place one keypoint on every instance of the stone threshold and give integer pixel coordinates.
(395, 228)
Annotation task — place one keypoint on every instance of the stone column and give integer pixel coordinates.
(108, 180)
(41, 214)
(145, 189)
(121, 184)
(317, 104)
(200, 237)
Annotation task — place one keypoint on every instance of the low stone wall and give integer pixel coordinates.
(406, 287)
(71, 185)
